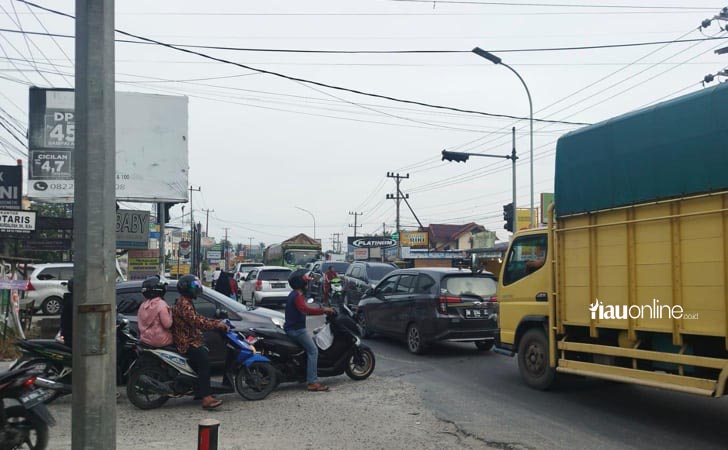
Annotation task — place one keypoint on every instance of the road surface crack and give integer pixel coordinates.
(461, 432)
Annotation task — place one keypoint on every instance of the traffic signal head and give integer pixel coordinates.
(508, 215)
(454, 156)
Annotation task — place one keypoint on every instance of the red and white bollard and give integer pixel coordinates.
(207, 432)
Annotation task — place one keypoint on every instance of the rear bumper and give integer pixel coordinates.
(467, 335)
(270, 298)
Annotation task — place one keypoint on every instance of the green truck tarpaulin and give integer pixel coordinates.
(673, 149)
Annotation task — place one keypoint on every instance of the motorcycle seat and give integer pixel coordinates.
(49, 344)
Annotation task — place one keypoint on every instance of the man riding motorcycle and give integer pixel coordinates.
(295, 326)
(187, 327)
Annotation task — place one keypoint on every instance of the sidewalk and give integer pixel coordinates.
(379, 413)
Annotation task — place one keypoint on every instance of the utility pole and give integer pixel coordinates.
(250, 247)
(94, 311)
(207, 220)
(398, 197)
(192, 215)
(356, 216)
(336, 242)
(224, 247)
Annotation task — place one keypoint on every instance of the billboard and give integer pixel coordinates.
(415, 239)
(11, 187)
(371, 242)
(151, 146)
(132, 229)
(17, 221)
(142, 264)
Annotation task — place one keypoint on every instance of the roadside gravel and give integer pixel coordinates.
(379, 413)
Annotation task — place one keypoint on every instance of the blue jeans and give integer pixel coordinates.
(304, 340)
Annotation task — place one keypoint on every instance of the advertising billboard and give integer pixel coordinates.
(143, 264)
(415, 239)
(17, 221)
(132, 229)
(151, 146)
(371, 242)
(11, 187)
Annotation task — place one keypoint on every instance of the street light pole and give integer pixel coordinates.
(496, 60)
(312, 216)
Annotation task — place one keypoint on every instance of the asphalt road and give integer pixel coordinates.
(482, 394)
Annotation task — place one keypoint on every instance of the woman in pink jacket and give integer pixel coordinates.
(154, 316)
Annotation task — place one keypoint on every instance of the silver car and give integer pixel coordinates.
(47, 284)
(266, 286)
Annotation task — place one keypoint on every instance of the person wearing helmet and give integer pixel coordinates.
(295, 326)
(187, 327)
(66, 331)
(154, 316)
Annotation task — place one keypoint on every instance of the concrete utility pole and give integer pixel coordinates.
(398, 197)
(250, 247)
(94, 312)
(192, 215)
(336, 242)
(356, 216)
(207, 220)
(161, 220)
(224, 247)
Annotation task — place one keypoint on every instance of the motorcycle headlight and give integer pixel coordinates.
(277, 321)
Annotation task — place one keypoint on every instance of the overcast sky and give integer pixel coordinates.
(261, 145)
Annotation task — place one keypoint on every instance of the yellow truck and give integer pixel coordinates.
(629, 280)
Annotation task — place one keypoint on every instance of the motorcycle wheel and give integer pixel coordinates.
(32, 431)
(140, 396)
(257, 381)
(364, 368)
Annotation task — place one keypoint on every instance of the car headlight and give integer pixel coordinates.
(277, 321)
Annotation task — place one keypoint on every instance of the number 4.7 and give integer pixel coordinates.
(46, 166)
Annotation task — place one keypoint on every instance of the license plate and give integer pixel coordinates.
(475, 314)
(278, 285)
(34, 398)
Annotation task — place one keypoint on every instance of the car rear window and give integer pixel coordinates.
(469, 285)
(274, 275)
(339, 267)
(378, 272)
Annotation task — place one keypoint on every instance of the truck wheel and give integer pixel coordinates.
(533, 359)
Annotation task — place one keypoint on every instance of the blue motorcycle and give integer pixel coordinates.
(159, 374)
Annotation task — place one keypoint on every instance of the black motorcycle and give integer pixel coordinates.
(54, 361)
(340, 352)
(25, 420)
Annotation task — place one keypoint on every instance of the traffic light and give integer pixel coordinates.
(508, 215)
(454, 156)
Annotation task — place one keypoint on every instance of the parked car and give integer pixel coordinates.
(46, 285)
(266, 285)
(210, 304)
(361, 276)
(242, 268)
(316, 285)
(430, 305)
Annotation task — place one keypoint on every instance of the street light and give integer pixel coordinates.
(312, 216)
(496, 60)
(464, 156)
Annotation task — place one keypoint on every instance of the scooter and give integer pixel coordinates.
(340, 349)
(159, 374)
(55, 361)
(26, 421)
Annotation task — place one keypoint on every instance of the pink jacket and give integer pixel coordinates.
(155, 320)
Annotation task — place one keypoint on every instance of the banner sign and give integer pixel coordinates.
(143, 264)
(18, 285)
(132, 229)
(214, 255)
(151, 146)
(546, 200)
(361, 253)
(371, 242)
(17, 221)
(11, 187)
(38, 245)
(415, 239)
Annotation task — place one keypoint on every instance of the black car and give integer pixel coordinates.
(210, 304)
(429, 305)
(362, 276)
(316, 285)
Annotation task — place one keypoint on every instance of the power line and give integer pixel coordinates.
(563, 5)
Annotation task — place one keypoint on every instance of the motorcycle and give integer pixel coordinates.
(336, 292)
(55, 361)
(24, 425)
(340, 349)
(159, 374)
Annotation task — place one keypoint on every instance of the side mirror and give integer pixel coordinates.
(221, 314)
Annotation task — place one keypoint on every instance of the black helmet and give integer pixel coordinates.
(153, 287)
(189, 286)
(69, 286)
(298, 279)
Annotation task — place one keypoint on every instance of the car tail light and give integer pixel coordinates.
(29, 287)
(493, 299)
(259, 285)
(444, 300)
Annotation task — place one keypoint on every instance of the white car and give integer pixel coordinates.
(241, 270)
(266, 286)
(46, 286)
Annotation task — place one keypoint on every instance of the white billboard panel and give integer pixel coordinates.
(151, 146)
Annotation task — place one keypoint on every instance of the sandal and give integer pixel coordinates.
(210, 403)
(317, 387)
